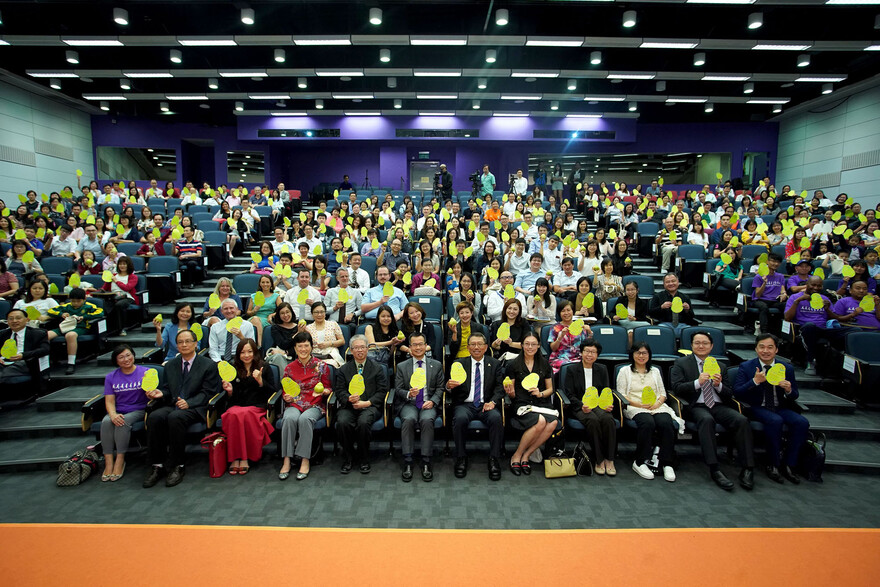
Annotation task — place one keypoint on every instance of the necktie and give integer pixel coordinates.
(354, 279)
(420, 398)
(769, 392)
(478, 387)
(708, 395)
(360, 369)
(227, 354)
(185, 369)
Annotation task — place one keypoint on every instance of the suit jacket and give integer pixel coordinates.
(202, 383)
(433, 390)
(455, 345)
(745, 389)
(376, 384)
(685, 371)
(661, 315)
(574, 385)
(493, 376)
(36, 345)
(641, 308)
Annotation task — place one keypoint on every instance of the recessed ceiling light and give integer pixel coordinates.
(777, 109)
(633, 106)
(660, 86)
(803, 60)
(375, 16)
(71, 57)
(213, 84)
(491, 55)
(247, 15)
(756, 20)
(302, 83)
(239, 106)
(572, 85)
(699, 59)
(319, 104)
(596, 57)
(385, 55)
(392, 82)
(629, 19)
(205, 106)
(120, 16)
(163, 106)
(125, 84)
(554, 105)
(709, 107)
(55, 83)
(176, 56)
(280, 56)
(398, 104)
(748, 88)
(502, 17)
(475, 105)
(482, 83)
(827, 88)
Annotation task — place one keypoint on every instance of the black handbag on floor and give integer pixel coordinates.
(582, 465)
(78, 467)
(811, 459)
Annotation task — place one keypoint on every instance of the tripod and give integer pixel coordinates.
(367, 183)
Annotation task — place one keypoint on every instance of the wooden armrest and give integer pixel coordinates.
(213, 409)
(272, 405)
(331, 404)
(92, 409)
(677, 405)
(738, 404)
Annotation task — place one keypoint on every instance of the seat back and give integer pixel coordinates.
(864, 346)
(546, 331)
(5, 306)
(368, 264)
(94, 280)
(215, 237)
(719, 347)
(433, 306)
(139, 263)
(746, 286)
(246, 283)
(691, 252)
(57, 265)
(661, 339)
(614, 339)
(163, 265)
(204, 220)
(648, 229)
(645, 283)
(752, 251)
(128, 249)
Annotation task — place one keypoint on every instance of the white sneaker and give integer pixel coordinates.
(810, 369)
(669, 474)
(643, 471)
(757, 328)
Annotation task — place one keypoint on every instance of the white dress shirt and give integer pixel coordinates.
(474, 364)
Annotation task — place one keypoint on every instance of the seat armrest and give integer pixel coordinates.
(273, 405)
(92, 410)
(674, 403)
(214, 406)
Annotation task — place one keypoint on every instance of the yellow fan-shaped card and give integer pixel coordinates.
(343, 296)
(32, 313)
(259, 299)
(106, 277)
(256, 258)
(431, 283)
(816, 302)
(776, 374)
(726, 259)
(819, 272)
(606, 398)
(302, 296)
(28, 257)
(213, 301)
(648, 396)
(197, 330)
(589, 300)
(9, 349)
(407, 279)
(677, 305)
(576, 327)
(74, 280)
(458, 373)
(591, 398)
(711, 367)
(492, 273)
(388, 289)
(531, 381)
(290, 387)
(763, 270)
(356, 385)
(150, 382)
(867, 303)
(503, 331)
(621, 312)
(227, 371)
(509, 292)
(848, 271)
(734, 242)
(418, 379)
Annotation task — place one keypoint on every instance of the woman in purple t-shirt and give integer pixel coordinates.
(126, 404)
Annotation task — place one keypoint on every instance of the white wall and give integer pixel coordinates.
(836, 151)
(47, 140)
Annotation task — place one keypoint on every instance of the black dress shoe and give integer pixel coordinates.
(494, 469)
(747, 479)
(526, 468)
(427, 472)
(790, 475)
(175, 476)
(153, 476)
(345, 469)
(365, 468)
(407, 473)
(460, 469)
(721, 480)
(516, 469)
(774, 475)
(71, 369)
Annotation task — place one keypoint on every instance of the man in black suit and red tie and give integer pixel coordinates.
(478, 397)
(31, 344)
(709, 401)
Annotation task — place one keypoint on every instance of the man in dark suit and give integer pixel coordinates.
(32, 344)
(599, 424)
(420, 405)
(356, 414)
(191, 381)
(709, 401)
(478, 397)
(660, 308)
(773, 406)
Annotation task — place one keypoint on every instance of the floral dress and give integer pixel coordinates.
(569, 349)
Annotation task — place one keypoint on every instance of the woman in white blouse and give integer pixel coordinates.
(37, 297)
(697, 236)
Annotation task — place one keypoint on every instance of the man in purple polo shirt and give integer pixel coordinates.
(798, 282)
(769, 292)
(813, 321)
(850, 311)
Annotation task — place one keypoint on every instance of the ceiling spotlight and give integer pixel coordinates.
(213, 84)
(748, 88)
(629, 19)
(491, 55)
(392, 82)
(502, 17)
(280, 56)
(125, 83)
(633, 106)
(803, 60)
(105, 106)
(385, 55)
(301, 83)
(596, 57)
(176, 56)
(709, 107)
(554, 105)
(699, 59)
(827, 88)
(239, 106)
(398, 104)
(756, 20)
(482, 83)
(72, 57)
(660, 86)
(476, 105)
(572, 85)
(55, 83)
(247, 15)
(163, 106)
(375, 16)
(281, 104)
(319, 104)
(777, 109)
(120, 16)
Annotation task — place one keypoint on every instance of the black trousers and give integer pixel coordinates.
(601, 433)
(357, 425)
(191, 271)
(666, 429)
(166, 434)
(732, 421)
(463, 415)
(763, 307)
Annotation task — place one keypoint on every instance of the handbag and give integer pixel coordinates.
(216, 445)
(78, 467)
(68, 324)
(559, 467)
(582, 465)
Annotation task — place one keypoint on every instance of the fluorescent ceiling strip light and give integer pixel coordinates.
(196, 42)
(626, 155)
(820, 78)
(3, 43)
(768, 101)
(720, 1)
(352, 96)
(667, 45)
(726, 78)
(678, 155)
(243, 73)
(92, 42)
(437, 96)
(583, 116)
(186, 96)
(338, 73)
(147, 74)
(269, 96)
(310, 41)
(436, 73)
(521, 97)
(436, 113)
(510, 114)
(51, 74)
(853, 2)
(872, 48)
(551, 42)
(104, 97)
(631, 76)
(439, 41)
(289, 114)
(547, 74)
(363, 113)
(780, 47)
(604, 98)
(618, 168)
(686, 100)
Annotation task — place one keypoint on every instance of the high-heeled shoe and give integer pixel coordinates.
(526, 468)
(283, 476)
(115, 478)
(516, 469)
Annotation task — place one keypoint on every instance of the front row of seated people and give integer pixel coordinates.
(191, 380)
